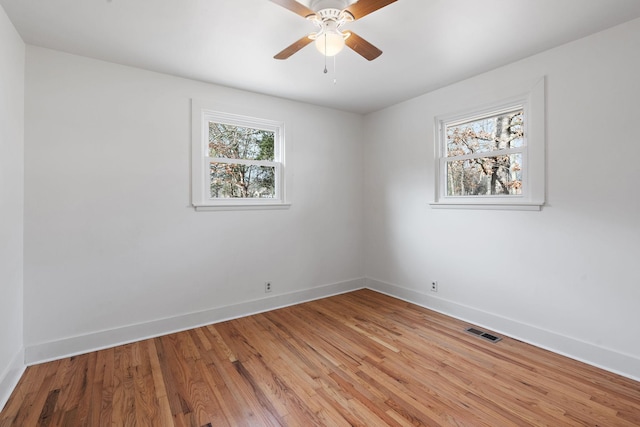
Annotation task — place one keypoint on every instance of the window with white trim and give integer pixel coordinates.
(492, 157)
(237, 161)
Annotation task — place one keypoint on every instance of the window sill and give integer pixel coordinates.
(532, 206)
(245, 207)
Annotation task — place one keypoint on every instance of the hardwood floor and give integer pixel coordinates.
(358, 359)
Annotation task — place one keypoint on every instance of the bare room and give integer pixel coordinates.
(319, 213)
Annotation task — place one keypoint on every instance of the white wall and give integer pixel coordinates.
(110, 238)
(12, 54)
(567, 277)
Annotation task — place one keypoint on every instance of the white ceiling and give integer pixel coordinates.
(427, 44)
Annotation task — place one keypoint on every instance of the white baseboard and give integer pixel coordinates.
(610, 360)
(11, 376)
(607, 359)
(43, 352)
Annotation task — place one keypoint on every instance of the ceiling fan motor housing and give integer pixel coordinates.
(318, 5)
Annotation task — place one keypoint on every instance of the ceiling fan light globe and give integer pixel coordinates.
(333, 43)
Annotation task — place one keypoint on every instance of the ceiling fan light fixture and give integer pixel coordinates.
(330, 43)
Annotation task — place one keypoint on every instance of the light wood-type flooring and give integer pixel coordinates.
(357, 359)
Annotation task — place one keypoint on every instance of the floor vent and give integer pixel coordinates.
(483, 334)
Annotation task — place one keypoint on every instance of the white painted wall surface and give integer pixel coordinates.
(12, 55)
(563, 277)
(110, 237)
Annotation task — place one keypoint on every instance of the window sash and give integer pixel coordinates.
(243, 200)
(268, 163)
(443, 160)
(447, 177)
(496, 153)
(463, 119)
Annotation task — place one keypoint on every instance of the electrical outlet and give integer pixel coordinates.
(267, 287)
(434, 286)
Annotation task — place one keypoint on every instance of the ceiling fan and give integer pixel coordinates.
(329, 16)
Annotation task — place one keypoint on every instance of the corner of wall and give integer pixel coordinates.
(10, 377)
(12, 75)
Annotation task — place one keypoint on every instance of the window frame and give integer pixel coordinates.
(533, 154)
(200, 180)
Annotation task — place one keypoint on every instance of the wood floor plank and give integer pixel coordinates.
(165, 418)
(85, 400)
(356, 359)
(108, 387)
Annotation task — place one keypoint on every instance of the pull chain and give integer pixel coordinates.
(325, 53)
(335, 80)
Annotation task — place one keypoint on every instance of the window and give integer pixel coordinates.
(493, 157)
(237, 161)
(484, 155)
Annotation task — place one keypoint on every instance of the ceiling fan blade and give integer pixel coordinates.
(365, 7)
(295, 7)
(293, 48)
(362, 47)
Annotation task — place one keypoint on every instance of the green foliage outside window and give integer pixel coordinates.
(252, 176)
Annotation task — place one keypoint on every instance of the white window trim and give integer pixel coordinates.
(200, 118)
(533, 197)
